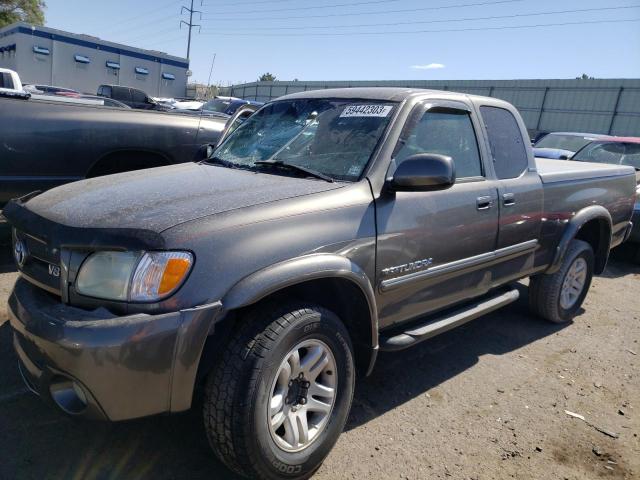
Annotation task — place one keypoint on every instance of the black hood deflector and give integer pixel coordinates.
(63, 236)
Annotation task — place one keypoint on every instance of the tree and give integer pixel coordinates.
(265, 77)
(30, 11)
(584, 76)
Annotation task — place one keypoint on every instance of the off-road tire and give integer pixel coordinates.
(545, 289)
(235, 413)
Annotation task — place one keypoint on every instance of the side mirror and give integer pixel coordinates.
(423, 172)
(204, 152)
(563, 157)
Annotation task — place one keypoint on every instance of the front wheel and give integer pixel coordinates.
(280, 396)
(559, 296)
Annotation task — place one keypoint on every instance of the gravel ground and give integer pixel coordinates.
(485, 401)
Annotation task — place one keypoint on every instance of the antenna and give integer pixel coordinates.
(208, 87)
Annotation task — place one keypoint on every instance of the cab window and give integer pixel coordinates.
(447, 132)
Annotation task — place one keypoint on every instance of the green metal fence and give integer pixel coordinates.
(597, 106)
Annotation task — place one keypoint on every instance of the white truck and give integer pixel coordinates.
(10, 82)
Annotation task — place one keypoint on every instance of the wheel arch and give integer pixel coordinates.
(593, 225)
(327, 280)
(118, 161)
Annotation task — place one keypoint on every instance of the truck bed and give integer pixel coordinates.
(552, 171)
(570, 186)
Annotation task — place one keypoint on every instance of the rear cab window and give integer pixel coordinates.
(6, 81)
(138, 96)
(505, 142)
(104, 91)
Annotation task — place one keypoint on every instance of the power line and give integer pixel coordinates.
(382, 12)
(254, 3)
(394, 24)
(409, 32)
(146, 16)
(154, 34)
(143, 31)
(335, 5)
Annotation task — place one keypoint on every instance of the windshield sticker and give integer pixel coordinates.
(354, 170)
(366, 111)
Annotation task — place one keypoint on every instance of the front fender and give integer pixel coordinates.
(262, 283)
(593, 212)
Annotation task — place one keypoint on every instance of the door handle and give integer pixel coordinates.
(508, 199)
(484, 203)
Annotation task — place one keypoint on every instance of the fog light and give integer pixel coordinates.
(68, 395)
(80, 393)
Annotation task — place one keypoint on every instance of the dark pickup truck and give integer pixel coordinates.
(328, 226)
(48, 141)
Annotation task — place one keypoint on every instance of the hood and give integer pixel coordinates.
(159, 198)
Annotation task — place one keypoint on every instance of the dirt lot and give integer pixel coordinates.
(486, 401)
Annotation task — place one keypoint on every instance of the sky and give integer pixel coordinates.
(374, 39)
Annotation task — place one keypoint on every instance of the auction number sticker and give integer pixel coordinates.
(366, 111)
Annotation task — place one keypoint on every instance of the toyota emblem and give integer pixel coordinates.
(20, 252)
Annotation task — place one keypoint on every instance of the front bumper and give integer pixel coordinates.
(97, 365)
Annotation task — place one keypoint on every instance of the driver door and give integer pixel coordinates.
(432, 246)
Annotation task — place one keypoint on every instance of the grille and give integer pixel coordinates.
(41, 264)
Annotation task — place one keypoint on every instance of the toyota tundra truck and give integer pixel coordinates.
(327, 227)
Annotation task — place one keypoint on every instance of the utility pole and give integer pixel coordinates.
(190, 24)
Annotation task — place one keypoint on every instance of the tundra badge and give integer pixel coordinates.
(408, 267)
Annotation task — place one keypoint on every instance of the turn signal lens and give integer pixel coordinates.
(159, 274)
(174, 273)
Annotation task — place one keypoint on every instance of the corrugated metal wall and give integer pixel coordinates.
(60, 68)
(595, 106)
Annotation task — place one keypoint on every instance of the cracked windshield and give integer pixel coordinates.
(334, 138)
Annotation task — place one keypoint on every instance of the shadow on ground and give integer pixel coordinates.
(399, 377)
(6, 260)
(37, 442)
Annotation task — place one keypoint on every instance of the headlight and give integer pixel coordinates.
(133, 276)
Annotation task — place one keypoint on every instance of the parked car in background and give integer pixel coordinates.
(133, 97)
(188, 104)
(47, 140)
(220, 106)
(329, 226)
(10, 81)
(51, 90)
(107, 102)
(562, 145)
(618, 151)
(613, 150)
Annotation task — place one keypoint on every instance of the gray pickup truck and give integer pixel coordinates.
(327, 227)
(49, 141)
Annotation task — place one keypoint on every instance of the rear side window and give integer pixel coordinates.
(6, 81)
(138, 96)
(447, 132)
(105, 91)
(505, 140)
(121, 93)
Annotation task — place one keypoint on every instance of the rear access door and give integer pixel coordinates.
(520, 193)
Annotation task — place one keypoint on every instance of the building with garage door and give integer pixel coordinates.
(43, 55)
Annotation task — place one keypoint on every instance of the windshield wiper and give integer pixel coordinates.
(297, 168)
(220, 161)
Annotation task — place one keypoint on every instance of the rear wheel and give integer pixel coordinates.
(280, 396)
(559, 296)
